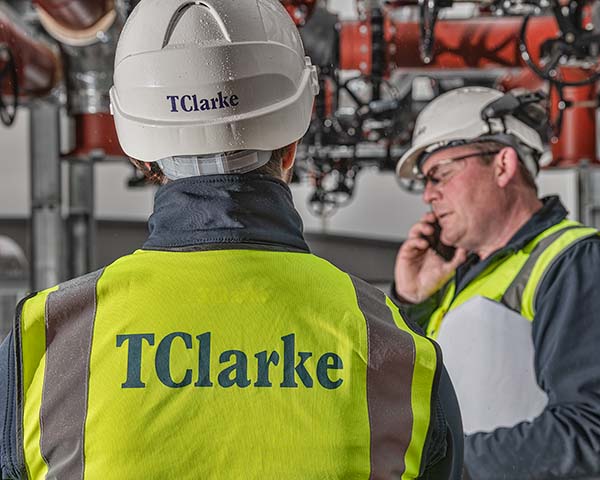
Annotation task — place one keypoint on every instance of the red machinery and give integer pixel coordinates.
(378, 45)
(38, 66)
(392, 43)
(483, 43)
(29, 67)
(478, 44)
(74, 16)
(76, 24)
(538, 45)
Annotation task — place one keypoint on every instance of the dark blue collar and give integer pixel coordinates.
(225, 210)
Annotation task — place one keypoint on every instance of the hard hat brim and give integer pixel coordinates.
(407, 165)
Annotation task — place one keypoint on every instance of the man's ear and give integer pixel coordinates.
(287, 162)
(506, 165)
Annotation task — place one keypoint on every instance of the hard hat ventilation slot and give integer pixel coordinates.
(183, 9)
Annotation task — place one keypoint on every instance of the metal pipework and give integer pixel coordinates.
(483, 42)
(96, 133)
(37, 65)
(47, 226)
(76, 22)
(88, 31)
(81, 225)
(577, 140)
(89, 73)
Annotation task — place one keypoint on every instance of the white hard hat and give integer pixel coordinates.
(204, 77)
(455, 118)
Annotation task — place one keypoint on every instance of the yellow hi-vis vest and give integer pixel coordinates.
(231, 364)
(513, 279)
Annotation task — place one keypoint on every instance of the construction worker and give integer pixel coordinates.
(513, 305)
(223, 348)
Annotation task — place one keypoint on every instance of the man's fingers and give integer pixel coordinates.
(428, 217)
(460, 257)
(421, 229)
(414, 245)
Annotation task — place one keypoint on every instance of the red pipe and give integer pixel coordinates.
(76, 23)
(523, 78)
(356, 46)
(96, 132)
(37, 65)
(76, 14)
(480, 43)
(577, 140)
(484, 42)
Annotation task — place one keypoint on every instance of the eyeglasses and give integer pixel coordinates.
(439, 174)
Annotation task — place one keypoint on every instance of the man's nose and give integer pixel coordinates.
(430, 193)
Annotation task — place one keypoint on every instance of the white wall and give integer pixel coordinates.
(380, 209)
(14, 168)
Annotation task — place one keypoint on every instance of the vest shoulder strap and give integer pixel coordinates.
(53, 328)
(404, 361)
(545, 249)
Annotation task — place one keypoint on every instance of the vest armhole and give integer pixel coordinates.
(516, 296)
(20, 468)
(545, 264)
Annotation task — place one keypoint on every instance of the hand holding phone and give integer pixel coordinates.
(419, 272)
(445, 251)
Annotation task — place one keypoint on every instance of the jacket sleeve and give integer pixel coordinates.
(443, 456)
(564, 440)
(8, 441)
(445, 463)
(419, 313)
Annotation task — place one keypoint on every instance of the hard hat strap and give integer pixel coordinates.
(183, 166)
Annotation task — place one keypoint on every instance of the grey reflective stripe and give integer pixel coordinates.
(391, 360)
(513, 296)
(70, 313)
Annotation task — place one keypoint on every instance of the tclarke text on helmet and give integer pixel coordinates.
(191, 103)
(293, 369)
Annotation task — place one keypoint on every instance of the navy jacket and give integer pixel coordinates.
(564, 441)
(233, 212)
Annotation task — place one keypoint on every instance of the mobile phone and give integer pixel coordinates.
(443, 250)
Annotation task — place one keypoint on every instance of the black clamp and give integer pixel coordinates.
(429, 12)
(8, 72)
(574, 41)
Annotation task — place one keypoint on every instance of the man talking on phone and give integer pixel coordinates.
(514, 304)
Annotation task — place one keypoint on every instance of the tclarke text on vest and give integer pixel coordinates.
(293, 369)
